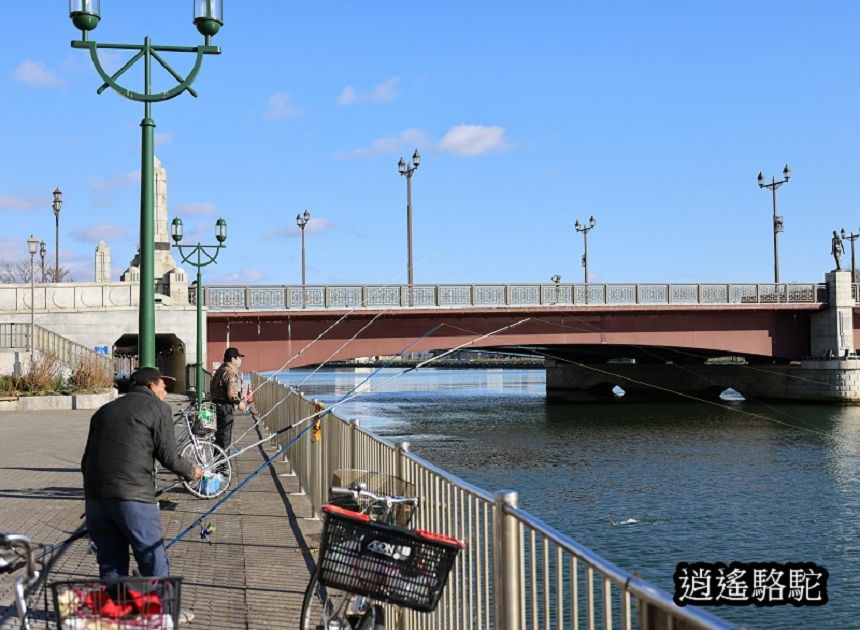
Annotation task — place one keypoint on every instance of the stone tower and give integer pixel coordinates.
(169, 279)
(102, 263)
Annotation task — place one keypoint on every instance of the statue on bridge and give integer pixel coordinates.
(837, 248)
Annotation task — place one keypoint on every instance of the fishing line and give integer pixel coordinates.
(733, 409)
(649, 351)
(286, 397)
(326, 411)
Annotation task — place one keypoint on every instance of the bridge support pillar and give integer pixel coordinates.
(812, 380)
(832, 331)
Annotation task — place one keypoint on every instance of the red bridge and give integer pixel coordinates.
(652, 323)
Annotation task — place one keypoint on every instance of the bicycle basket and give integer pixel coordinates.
(405, 567)
(122, 603)
(206, 420)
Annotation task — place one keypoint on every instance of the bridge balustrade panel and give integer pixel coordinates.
(506, 295)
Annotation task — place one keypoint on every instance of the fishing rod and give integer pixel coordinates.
(259, 419)
(353, 394)
(350, 396)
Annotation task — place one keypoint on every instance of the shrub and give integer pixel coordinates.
(92, 373)
(43, 375)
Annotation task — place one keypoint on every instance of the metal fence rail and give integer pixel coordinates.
(282, 297)
(16, 336)
(516, 571)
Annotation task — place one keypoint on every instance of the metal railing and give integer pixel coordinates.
(16, 336)
(515, 572)
(275, 298)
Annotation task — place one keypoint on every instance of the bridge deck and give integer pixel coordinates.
(252, 576)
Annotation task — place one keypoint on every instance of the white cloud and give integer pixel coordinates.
(19, 203)
(406, 140)
(280, 105)
(35, 73)
(314, 226)
(119, 180)
(100, 232)
(470, 140)
(248, 275)
(163, 138)
(382, 93)
(110, 61)
(194, 209)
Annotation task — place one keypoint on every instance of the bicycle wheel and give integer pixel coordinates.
(217, 469)
(326, 608)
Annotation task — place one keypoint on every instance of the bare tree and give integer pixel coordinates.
(18, 272)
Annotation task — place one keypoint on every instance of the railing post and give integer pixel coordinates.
(507, 576)
(355, 425)
(400, 460)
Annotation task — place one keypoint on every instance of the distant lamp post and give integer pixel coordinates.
(205, 255)
(777, 220)
(58, 204)
(302, 221)
(851, 237)
(585, 229)
(42, 251)
(33, 246)
(407, 172)
(208, 18)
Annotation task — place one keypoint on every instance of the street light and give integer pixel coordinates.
(851, 237)
(777, 220)
(33, 246)
(407, 172)
(42, 251)
(211, 253)
(585, 229)
(58, 204)
(302, 221)
(208, 18)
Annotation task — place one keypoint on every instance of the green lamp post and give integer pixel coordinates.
(208, 18)
(210, 252)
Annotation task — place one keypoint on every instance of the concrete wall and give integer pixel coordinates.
(813, 380)
(104, 325)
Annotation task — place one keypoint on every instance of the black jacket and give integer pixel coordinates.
(126, 435)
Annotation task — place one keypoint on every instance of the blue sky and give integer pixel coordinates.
(654, 117)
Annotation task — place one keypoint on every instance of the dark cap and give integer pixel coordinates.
(147, 375)
(232, 353)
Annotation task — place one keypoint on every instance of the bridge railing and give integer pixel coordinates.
(282, 297)
(515, 572)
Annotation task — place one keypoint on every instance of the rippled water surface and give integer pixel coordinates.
(708, 483)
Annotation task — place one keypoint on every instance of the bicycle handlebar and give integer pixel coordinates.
(12, 541)
(361, 493)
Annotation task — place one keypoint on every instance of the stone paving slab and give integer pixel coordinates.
(254, 573)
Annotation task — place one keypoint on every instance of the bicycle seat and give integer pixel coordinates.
(12, 556)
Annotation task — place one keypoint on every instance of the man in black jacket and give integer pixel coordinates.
(126, 436)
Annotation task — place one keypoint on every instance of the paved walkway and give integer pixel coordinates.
(254, 573)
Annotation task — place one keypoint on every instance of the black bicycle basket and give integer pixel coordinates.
(128, 603)
(402, 566)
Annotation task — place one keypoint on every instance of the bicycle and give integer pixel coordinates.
(367, 557)
(195, 431)
(128, 602)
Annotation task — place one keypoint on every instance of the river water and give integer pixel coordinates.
(738, 482)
